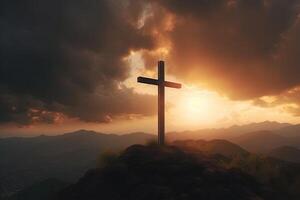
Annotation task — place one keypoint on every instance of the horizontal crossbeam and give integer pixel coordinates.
(172, 84)
(151, 81)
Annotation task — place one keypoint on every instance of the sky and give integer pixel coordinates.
(69, 65)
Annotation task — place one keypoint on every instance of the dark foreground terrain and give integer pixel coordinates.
(191, 169)
(152, 172)
(27, 161)
(263, 163)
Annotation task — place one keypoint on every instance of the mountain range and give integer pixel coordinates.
(256, 137)
(287, 153)
(26, 161)
(235, 131)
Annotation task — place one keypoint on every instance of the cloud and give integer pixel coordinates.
(66, 59)
(63, 59)
(241, 48)
(289, 101)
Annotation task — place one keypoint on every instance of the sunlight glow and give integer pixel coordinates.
(195, 107)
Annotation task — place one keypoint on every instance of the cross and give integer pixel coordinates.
(161, 83)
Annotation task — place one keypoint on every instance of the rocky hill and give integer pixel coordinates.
(162, 173)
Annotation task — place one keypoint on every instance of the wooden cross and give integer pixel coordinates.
(161, 83)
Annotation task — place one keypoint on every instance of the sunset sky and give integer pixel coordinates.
(69, 65)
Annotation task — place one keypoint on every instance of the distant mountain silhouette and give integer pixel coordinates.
(226, 133)
(25, 161)
(162, 173)
(264, 141)
(286, 153)
(260, 141)
(266, 125)
(290, 131)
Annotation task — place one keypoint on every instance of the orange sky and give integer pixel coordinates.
(189, 108)
(76, 68)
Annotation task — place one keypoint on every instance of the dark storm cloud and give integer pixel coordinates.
(66, 58)
(242, 48)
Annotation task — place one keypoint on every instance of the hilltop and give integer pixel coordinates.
(201, 167)
(26, 161)
(162, 173)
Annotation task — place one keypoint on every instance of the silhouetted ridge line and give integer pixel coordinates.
(212, 147)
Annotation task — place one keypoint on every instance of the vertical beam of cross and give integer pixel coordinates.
(161, 103)
(161, 83)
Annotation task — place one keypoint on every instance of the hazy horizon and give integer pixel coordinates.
(4, 134)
